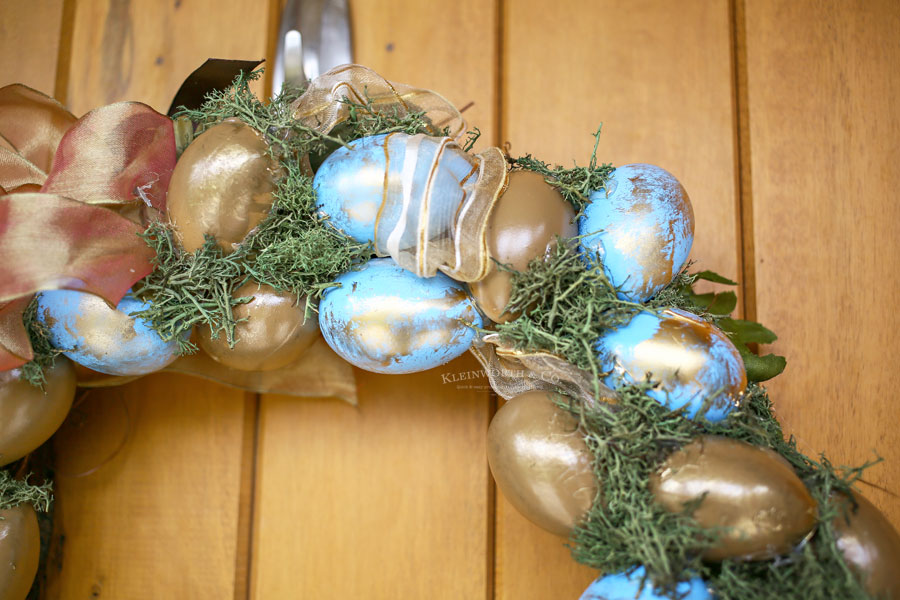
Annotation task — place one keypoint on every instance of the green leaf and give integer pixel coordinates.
(747, 332)
(700, 300)
(723, 304)
(714, 277)
(761, 368)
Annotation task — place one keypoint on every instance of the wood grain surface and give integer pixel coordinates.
(662, 101)
(147, 492)
(824, 148)
(390, 499)
(164, 518)
(790, 158)
(29, 43)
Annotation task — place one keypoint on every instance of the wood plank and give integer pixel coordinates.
(143, 50)
(662, 100)
(180, 488)
(384, 500)
(824, 145)
(390, 499)
(29, 42)
(159, 517)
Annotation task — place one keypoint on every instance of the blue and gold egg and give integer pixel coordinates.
(694, 363)
(102, 338)
(384, 319)
(633, 586)
(373, 187)
(642, 227)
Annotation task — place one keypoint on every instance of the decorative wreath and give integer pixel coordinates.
(224, 237)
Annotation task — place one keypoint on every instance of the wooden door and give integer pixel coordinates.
(778, 116)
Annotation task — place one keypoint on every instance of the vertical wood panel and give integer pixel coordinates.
(824, 146)
(143, 49)
(389, 499)
(29, 42)
(161, 520)
(659, 75)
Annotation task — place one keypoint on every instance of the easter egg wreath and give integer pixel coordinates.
(235, 230)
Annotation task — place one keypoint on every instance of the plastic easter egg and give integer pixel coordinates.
(272, 335)
(695, 364)
(642, 226)
(355, 183)
(29, 416)
(20, 548)
(627, 586)
(101, 338)
(541, 463)
(385, 319)
(751, 491)
(870, 545)
(523, 225)
(222, 185)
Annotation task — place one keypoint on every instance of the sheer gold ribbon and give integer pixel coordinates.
(512, 372)
(446, 238)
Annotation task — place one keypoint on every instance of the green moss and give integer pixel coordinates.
(626, 527)
(14, 492)
(575, 183)
(293, 248)
(44, 353)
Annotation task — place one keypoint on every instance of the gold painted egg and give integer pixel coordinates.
(541, 463)
(28, 416)
(523, 225)
(871, 546)
(222, 185)
(748, 489)
(272, 336)
(20, 547)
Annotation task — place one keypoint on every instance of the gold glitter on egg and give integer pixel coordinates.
(222, 185)
(20, 548)
(523, 225)
(29, 416)
(748, 489)
(272, 336)
(870, 545)
(541, 463)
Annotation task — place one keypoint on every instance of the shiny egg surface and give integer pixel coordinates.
(28, 415)
(627, 586)
(20, 547)
(222, 185)
(523, 225)
(752, 492)
(541, 462)
(695, 364)
(101, 338)
(270, 332)
(384, 319)
(642, 226)
(384, 188)
(870, 545)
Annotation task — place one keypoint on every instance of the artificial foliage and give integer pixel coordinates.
(293, 248)
(626, 527)
(575, 183)
(44, 352)
(566, 303)
(16, 491)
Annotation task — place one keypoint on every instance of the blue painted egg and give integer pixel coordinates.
(627, 586)
(384, 319)
(101, 338)
(693, 361)
(642, 226)
(388, 189)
